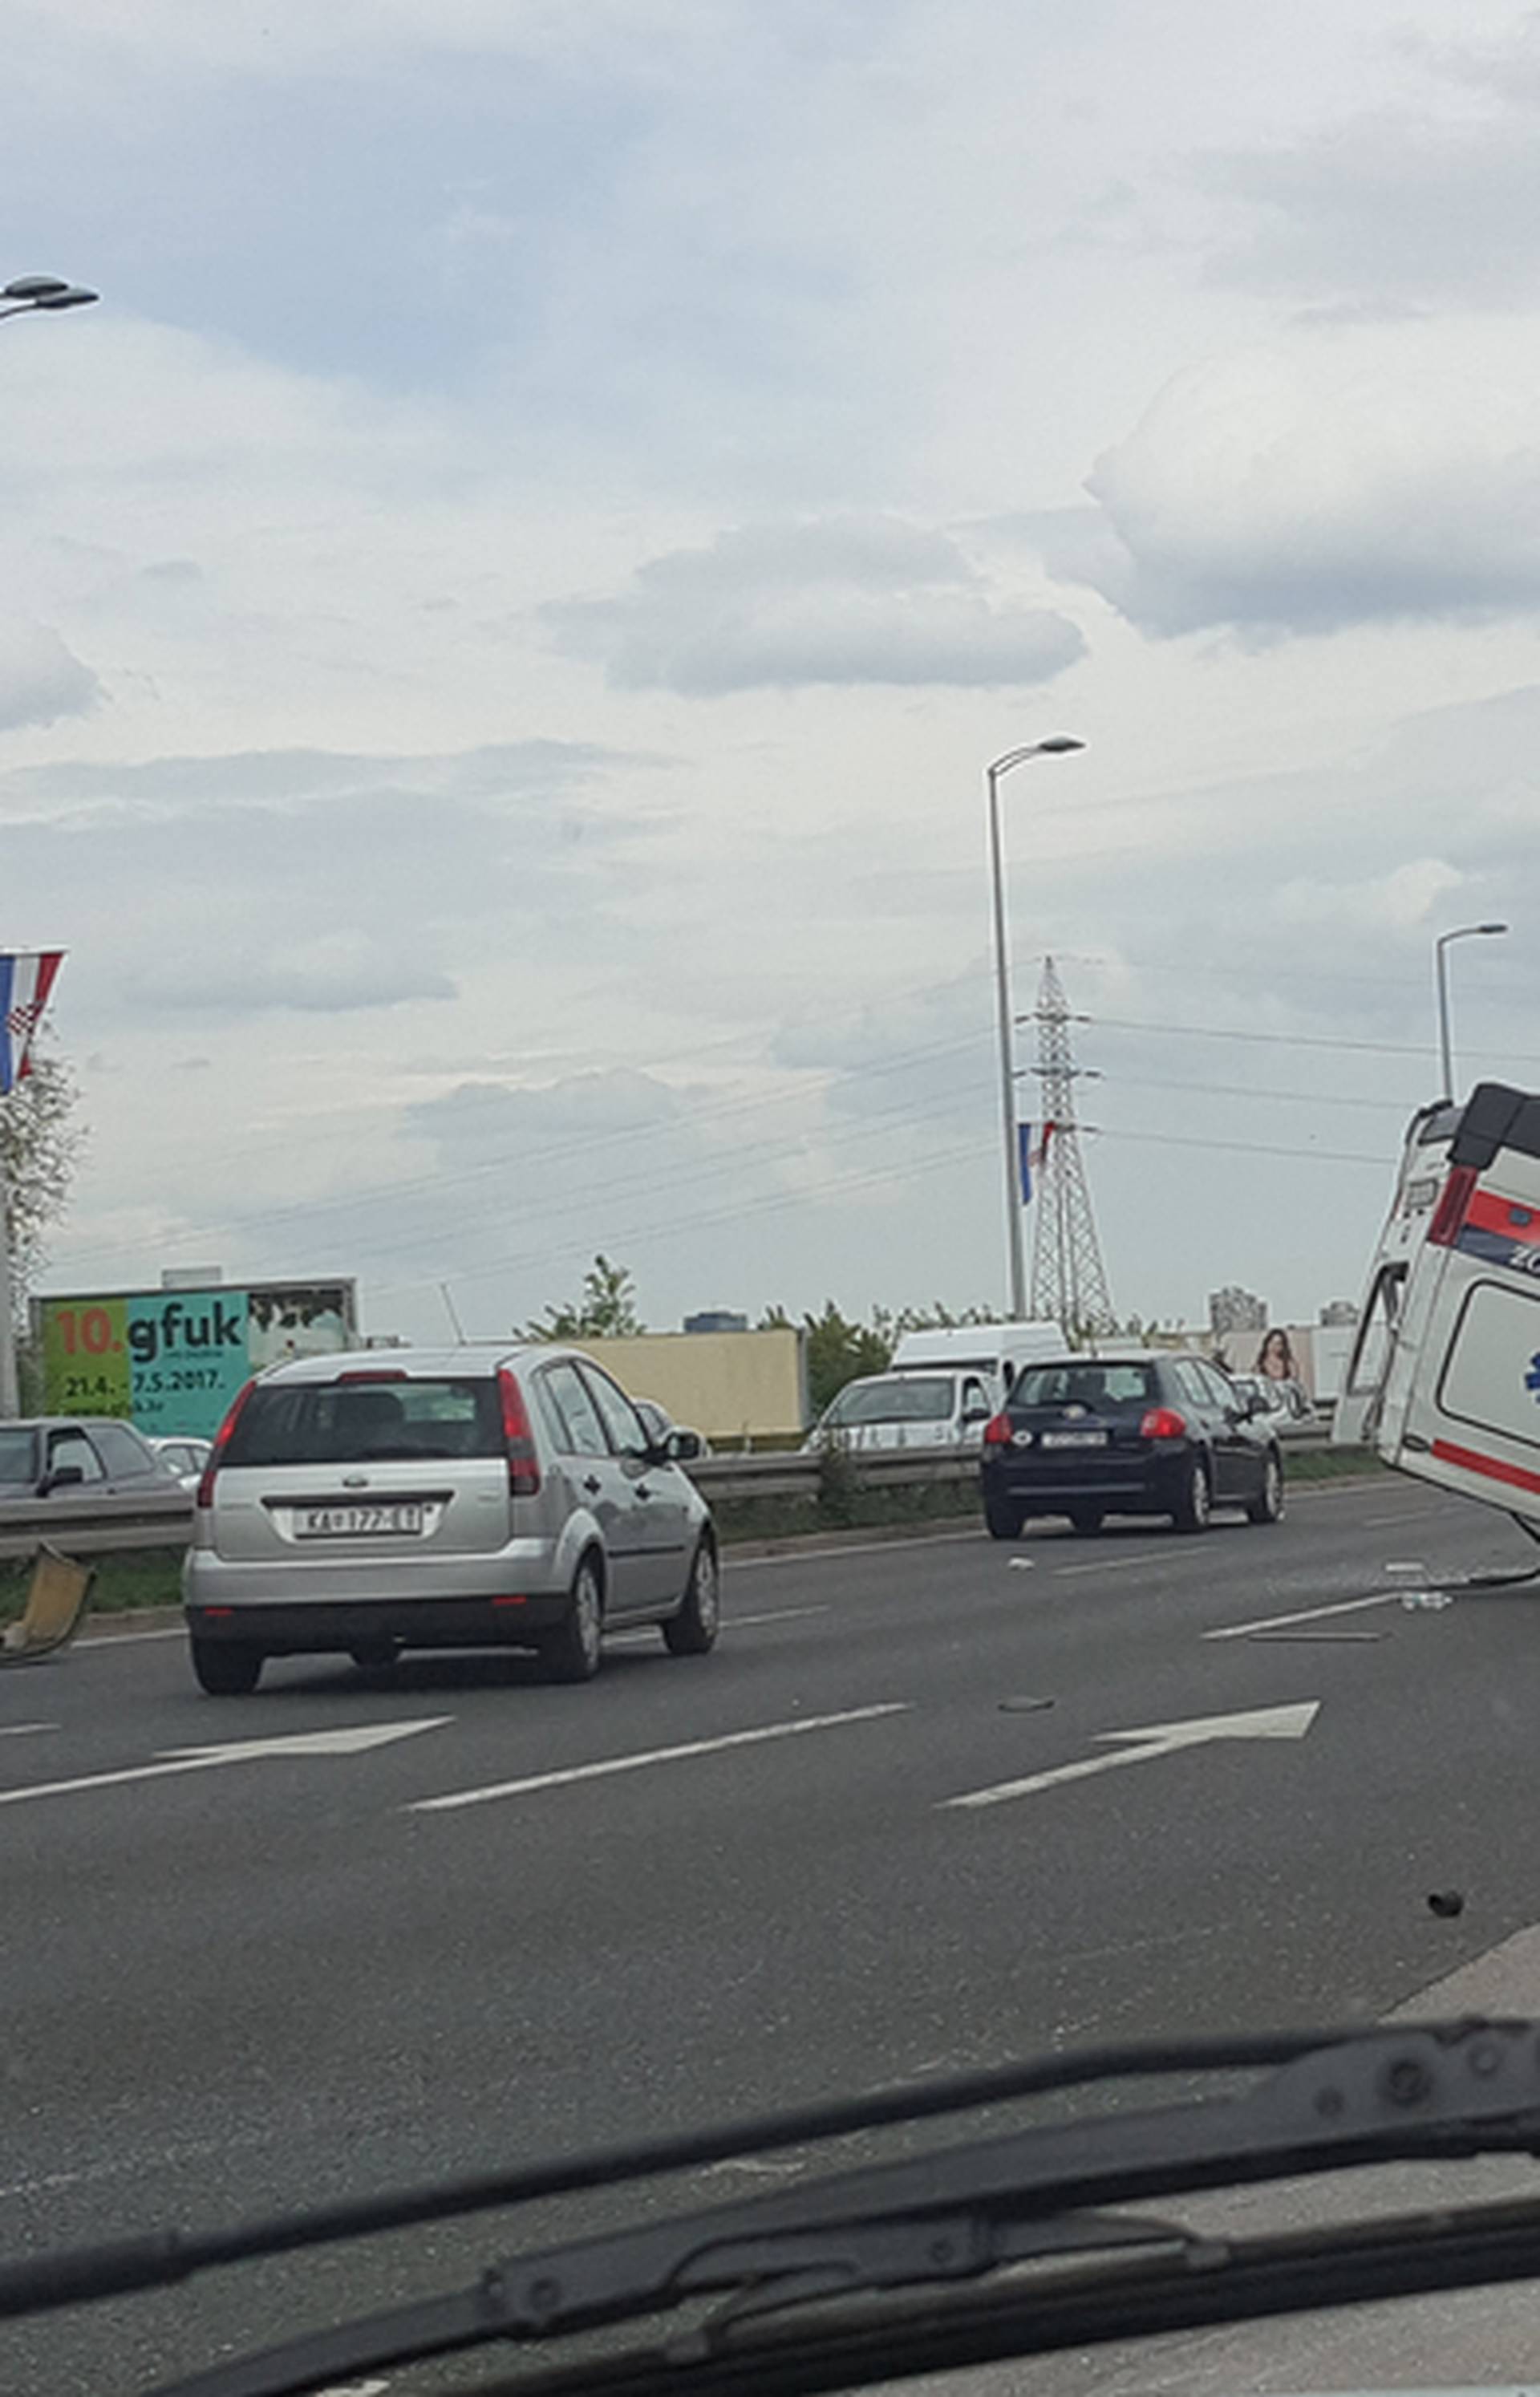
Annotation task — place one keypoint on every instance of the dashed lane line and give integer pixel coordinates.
(1304, 1615)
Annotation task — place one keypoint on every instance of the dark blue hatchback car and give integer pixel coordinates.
(1128, 1432)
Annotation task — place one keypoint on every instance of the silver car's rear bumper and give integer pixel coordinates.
(299, 1581)
(332, 1630)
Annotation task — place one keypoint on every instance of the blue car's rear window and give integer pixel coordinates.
(1103, 1389)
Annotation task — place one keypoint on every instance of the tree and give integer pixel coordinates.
(40, 1146)
(839, 1350)
(605, 1311)
(934, 1317)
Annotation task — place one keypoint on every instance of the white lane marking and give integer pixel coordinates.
(117, 1638)
(771, 1614)
(758, 2167)
(854, 1549)
(565, 1774)
(14, 1731)
(1502, 1980)
(1306, 1614)
(1104, 1564)
(729, 1622)
(351, 1740)
(1154, 1739)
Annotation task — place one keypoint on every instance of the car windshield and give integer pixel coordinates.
(906, 1398)
(18, 1456)
(1104, 1389)
(350, 1423)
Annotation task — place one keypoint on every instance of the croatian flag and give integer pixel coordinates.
(1032, 1154)
(25, 982)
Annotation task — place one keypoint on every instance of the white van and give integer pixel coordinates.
(1445, 1377)
(909, 1410)
(998, 1351)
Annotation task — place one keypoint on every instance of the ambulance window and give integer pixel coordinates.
(1372, 1351)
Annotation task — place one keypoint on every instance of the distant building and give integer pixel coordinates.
(716, 1318)
(1339, 1311)
(1234, 1309)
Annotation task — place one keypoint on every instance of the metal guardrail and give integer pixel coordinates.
(87, 1527)
(797, 1475)
(90, 1527)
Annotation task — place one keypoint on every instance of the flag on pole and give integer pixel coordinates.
(25, 982)
(1032, 1154)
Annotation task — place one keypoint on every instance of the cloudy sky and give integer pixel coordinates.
(508, 600)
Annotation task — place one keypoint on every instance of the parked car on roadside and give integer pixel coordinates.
(688, 1444)
(1283, 1406)
(78, 1458)
(465, 1497)
(1128, 1432)
(905, 1409)
(185, 1457)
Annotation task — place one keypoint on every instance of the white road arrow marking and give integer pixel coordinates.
(1154, 1739)
(564, 1775)
(352, 1740)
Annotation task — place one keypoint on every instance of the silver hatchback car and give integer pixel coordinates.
(467, 1497)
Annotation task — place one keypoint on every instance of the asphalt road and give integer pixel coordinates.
(334, 1936)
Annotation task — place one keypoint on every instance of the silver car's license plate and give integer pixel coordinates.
(402, 1521)
(1075, 1439)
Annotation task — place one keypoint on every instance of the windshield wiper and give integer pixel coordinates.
(960, 2213)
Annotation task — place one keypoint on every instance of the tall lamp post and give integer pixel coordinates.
(1464, 933)
(1057, 746)
(25, 295)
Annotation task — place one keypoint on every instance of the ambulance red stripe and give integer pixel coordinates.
(1470, 1460)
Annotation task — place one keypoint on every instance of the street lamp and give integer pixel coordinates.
(1465, 933)
(29, 293)
(23, 296)
(1057, 746)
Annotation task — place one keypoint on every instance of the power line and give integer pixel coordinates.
(1285, 1039)
(560, 1153)
(1251, 1090)
(770, 1203)
(1248, 1148)
(643, 1186)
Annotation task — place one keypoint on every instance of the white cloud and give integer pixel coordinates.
(1402, 900)
(334, 974)
(1337, 477)
(847, 600)
(288, 37)
(41, 678)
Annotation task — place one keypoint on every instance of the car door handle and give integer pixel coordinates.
(593, 1485)
(642, 1490)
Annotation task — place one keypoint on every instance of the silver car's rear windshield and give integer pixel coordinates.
(913, 1400)
(1103, 1387)
(350, 1422)
(18, 1457)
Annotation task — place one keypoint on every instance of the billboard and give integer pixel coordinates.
(171, 1360)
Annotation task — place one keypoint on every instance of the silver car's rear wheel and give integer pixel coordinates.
(572, 1652)
(225, 1669)
(693, 1630)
